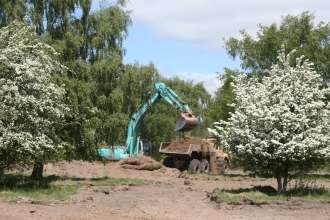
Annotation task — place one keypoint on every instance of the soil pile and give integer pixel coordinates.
(140, 163)
(181, 145)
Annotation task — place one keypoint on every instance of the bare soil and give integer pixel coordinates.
(181, 145)
(173, 195)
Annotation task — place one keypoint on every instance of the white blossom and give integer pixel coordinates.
(31, 104)
(283, 115)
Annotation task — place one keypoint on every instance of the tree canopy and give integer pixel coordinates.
(258, 53)
(281, 121)
(100, 90)
(295, 32)
(218, 107)
(32, 106)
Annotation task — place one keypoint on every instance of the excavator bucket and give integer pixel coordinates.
(186, 122)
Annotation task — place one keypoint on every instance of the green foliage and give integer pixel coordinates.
(281, 121)
(259, 53)
(218, 108)
(295, 32)
(11, 10)
(32, 105)
(100, 90)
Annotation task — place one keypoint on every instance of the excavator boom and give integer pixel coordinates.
(186, 120)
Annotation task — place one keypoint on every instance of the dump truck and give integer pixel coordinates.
(194, 155)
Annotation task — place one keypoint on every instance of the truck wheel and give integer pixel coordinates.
(205, 166)
(168, 162)
(195, 166)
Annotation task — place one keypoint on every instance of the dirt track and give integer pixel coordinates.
(169, 198)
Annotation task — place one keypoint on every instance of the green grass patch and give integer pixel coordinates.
(313, 176)
(54, 187)
(231, 177)
(306, 186)
(51, 193)
(244, 195)
(260, 194)
(263, 177)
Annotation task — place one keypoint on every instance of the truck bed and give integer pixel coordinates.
(163, 149)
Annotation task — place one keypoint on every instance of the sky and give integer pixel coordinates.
(184, 38)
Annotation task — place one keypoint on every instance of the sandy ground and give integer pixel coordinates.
(168, 198)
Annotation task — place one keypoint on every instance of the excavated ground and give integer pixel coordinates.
(171, 195)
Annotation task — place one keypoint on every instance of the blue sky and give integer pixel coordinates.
(185, 38)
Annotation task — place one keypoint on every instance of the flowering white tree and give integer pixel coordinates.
(281, 122)
(31, 105)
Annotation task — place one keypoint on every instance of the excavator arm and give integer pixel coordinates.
(186, 121)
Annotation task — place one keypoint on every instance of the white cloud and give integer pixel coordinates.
(211, 82)
(206, 22)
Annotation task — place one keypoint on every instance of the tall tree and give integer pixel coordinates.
(218, 108)
(295, 32)
(116, 108)
(281, 122)
(32, 105)
(91, 46)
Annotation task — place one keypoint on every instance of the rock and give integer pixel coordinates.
(187, 183)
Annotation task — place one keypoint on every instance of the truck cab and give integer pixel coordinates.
(146, 147)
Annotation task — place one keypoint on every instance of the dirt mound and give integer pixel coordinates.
(140, 163)
(181, 145)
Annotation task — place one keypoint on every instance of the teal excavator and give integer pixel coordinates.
(136, 146)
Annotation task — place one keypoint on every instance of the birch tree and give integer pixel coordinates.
(281, 121)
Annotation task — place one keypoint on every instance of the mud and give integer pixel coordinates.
(141, 163)
(170, 196)
(181, 145)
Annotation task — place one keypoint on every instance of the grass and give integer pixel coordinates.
(242, 195)
(231, 177)
(53, 187)
(302, 186)
(259, 195)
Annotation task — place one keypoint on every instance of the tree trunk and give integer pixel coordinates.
(279, 184)
(2, 174)
(279, 174)
(285, 180)
(38, 169)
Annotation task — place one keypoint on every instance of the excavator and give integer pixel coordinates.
(136, 146)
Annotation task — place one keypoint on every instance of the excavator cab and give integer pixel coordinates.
(186, 122)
